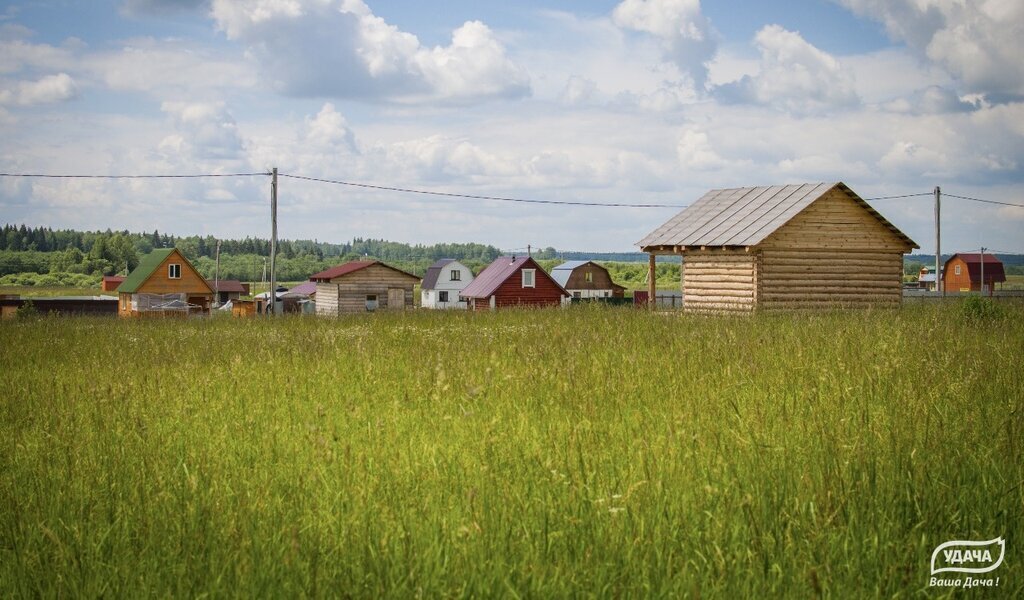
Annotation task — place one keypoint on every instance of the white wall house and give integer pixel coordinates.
(442, 283)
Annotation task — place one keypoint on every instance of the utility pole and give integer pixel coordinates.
(939, 284)
(273, 242)
(528, 250)
(982, 270)
(216, 278)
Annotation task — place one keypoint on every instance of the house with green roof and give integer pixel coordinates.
(164, 284)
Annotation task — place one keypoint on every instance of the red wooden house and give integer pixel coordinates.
(962, 272)
(510, 282)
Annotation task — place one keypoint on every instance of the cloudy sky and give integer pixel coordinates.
(636, 101)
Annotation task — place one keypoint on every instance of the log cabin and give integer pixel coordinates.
(513, 282)
(815, 245)
(363, 286)
(164, 284)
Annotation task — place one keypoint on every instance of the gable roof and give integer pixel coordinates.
(498, 272)
(993, 266)
(229, 286)
(433, 272)
(351, 267)
(147, 266)
(746, 216)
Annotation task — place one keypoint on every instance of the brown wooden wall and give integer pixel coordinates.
(512, 293)
(952, 282)
(829, 278)
(347, 294)
(719, 281)
(578, 278)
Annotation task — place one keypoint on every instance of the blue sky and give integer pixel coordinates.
(645, 101)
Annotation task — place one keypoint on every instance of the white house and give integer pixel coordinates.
(442, 283)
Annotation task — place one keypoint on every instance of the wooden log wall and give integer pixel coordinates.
(717, 280)
(347, 294)
(826, 279)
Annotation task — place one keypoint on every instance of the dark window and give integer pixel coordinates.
(174, 271)
(371, 302)
(456, 275)
(442, 296)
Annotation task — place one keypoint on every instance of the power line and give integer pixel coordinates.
(474, 196)
(982, 200)
(896, 197)
(47, 176)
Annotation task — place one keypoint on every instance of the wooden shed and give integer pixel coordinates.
(363, 286)
(513, 282)
(164, 284)
(962, 272)
(815, 245)
(587, 279)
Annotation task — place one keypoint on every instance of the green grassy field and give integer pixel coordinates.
(584, 452)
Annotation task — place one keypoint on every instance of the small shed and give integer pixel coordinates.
(111, 282)
(164, 284)
(228, 289)
(363, 286)
(813, 245)
(587, 279)
(962, 272)
(513, 282)
(442, 284)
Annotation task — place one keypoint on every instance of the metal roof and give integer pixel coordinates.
(496, 273)
(433, 272)
(351, 267)
(993, 266)
(228, 285)
(306, 288)
(746, 216)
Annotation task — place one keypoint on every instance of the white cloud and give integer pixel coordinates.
(48, 90)
(578, 91)
(687, 37)
(979, 42)
(206, 131)
(339, 48)
(794, 76)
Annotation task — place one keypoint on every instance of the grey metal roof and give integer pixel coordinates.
(746, 216)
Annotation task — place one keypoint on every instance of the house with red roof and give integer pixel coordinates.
(513, 282)
(963, 272)
(363, 286)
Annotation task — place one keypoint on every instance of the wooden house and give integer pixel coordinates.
(926, 278)
(164, 283)
(587, 279)
(442, 284)
(228, 290)
(363, 286)
(110, 283)
(962, 272)
(815, 245)
(511, 282)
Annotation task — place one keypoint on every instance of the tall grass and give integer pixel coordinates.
(595, 452)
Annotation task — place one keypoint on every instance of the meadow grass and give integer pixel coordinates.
(585, 452)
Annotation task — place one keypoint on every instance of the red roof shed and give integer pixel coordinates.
(509, 282)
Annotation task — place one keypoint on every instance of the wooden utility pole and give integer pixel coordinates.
(273, 242)
(652, 288)
(982, 270)
(216, 278)
(939, 284)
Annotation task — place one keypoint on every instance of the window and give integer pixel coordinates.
(588, 277)
(529, 278)
(371, 302)
(442, 296)
(956, 269)
(576, 294)
(174, 271)
(456, 275)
